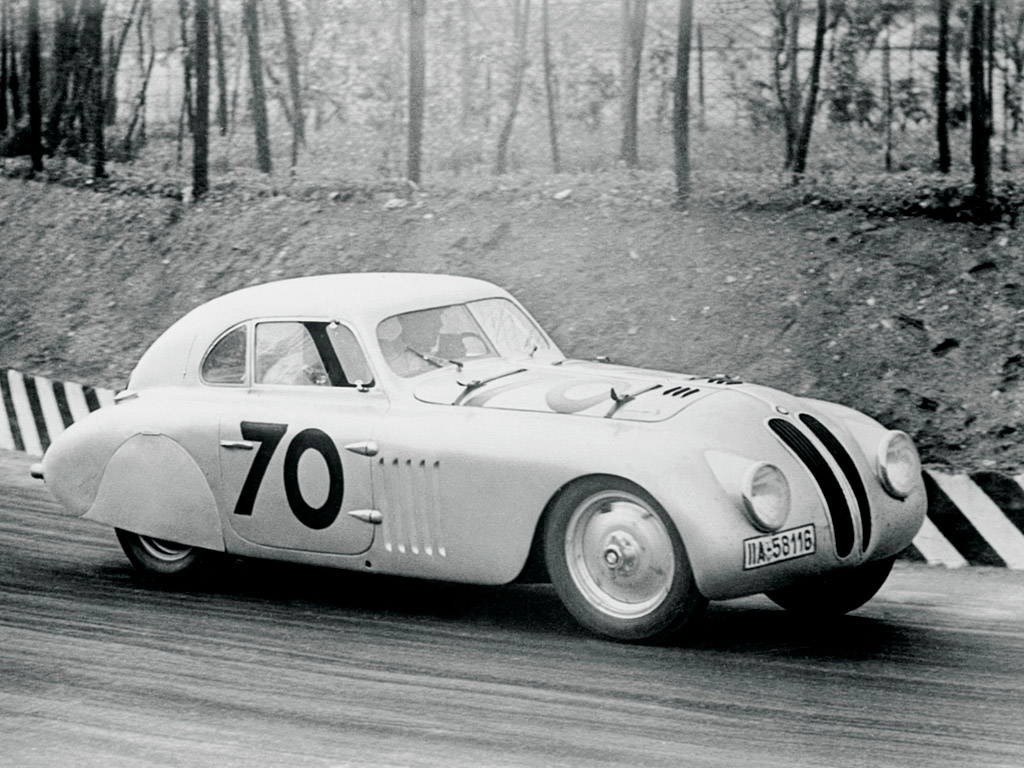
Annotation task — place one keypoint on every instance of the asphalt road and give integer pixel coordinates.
(283, 666)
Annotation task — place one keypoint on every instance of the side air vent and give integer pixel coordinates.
(412, 522)
(680, 391)
(835, 499)
(849, 469)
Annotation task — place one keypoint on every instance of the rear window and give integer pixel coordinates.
(225, 362)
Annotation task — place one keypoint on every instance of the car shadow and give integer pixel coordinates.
(749, 626)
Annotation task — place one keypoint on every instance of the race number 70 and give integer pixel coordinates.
(269, 436)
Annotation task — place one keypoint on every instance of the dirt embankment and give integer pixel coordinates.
(915, 322)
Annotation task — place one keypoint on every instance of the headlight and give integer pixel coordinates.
(899, 467)
(766, 496)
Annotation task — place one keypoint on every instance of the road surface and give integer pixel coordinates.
(272, 665)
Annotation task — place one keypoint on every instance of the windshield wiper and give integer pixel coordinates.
(437, 362)
(475, 384)
(621, 400)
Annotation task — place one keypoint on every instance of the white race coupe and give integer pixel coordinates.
(426, 426)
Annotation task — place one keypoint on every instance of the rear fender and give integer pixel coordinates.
(174, 503)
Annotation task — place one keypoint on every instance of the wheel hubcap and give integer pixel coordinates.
(168, 551)
(620, 554)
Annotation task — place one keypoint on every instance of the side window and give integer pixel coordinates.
(225, 362)
(287, 354)
(309, 353)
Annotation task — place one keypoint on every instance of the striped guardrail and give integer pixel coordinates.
(973, 519)
(38, 409)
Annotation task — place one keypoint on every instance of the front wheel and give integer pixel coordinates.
(164, 560)
(836, 593)
(618, 563)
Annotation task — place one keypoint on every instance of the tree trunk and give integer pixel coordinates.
(549, 88)
(250, 20)
(634, 18)
(887, 96)
(186, 65)
(681, 104)
(417, 86)
(465, 66)
(980, 134)
(222, 77)
(92, 37)
(138, 119)
(942, 87)
(113, 63)
(200, 137)
(59, 125)
(14, 80)
(701, 120)
(35, 107)
(4, 74)
(520, 29)
(814, 80)
(294, 87)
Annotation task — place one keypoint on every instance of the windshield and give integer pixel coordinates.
(421, 341)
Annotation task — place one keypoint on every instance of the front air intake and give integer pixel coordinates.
(835, 498)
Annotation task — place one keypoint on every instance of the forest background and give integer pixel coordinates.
(818, 195)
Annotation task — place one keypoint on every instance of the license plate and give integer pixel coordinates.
(776, 547)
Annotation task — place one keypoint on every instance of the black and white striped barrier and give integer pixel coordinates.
(975, 519)
(38, 409)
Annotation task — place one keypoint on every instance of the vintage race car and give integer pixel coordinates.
(426, 426)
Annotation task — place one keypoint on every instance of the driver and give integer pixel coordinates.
(416, 332)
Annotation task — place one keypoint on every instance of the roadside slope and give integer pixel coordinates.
(913, 322)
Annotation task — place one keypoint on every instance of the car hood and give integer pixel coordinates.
(597, 390)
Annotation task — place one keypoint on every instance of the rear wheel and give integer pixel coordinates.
(837, 593)
(618, 562)
(162, 559)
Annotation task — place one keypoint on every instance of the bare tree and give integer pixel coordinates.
(66, 63)
(13, 78)
(187, 66)
(113, 64)
(294, 86)
(980, 125)
(4, 73)
(549, 87)
(222, 77)
(681, 104)
(465, 65)
(250, 20)
(634, 24)
(520, 29)
(803, 143)
(35, 85)
(201, 134)
(417, 85)
(138, 118)
(92, 42)
(942, 86)
(786, 49)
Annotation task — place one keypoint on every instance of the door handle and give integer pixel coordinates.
(238, 445)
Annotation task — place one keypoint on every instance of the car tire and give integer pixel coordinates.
(618, 563)
(837, 593)
(165, 560)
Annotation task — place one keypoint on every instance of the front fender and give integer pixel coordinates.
(174, 503)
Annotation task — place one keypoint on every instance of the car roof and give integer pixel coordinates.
(363, 299)
(374, 294)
